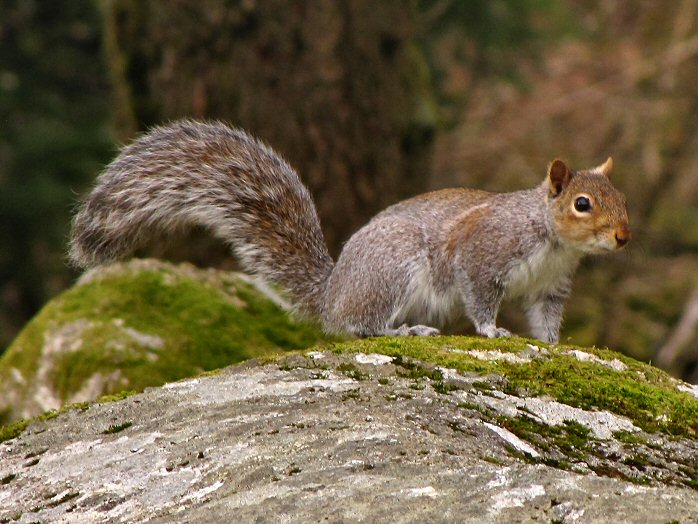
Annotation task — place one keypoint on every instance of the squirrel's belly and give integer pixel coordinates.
(543, 271)
(424, 304)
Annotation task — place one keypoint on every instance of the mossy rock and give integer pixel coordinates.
(471, 421)
(590, 379)
(138, 324)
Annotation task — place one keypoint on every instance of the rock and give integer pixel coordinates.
(383, 430)
(137, 324)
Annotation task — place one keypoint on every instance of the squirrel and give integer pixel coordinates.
(416, 266)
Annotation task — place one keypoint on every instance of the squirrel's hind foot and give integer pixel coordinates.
(404, 330)
(422, 331)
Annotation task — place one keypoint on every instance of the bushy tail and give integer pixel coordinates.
(207, 174)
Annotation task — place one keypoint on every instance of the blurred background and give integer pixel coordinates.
(372, 102)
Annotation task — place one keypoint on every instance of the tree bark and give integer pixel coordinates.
(337, 87)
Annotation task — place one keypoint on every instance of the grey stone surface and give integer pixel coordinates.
(322, 438)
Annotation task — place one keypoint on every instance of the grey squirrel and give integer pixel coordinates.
(415, 266)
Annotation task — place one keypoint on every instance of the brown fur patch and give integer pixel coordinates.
(465, 226)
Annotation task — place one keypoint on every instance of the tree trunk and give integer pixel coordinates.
(339, 88)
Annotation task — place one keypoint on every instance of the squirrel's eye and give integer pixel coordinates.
(582, 204)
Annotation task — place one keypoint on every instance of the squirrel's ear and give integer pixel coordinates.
(558, 176)
(605, 168)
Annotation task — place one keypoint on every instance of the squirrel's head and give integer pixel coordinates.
(588, 212)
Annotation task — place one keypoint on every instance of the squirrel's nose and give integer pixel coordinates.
(623, 235)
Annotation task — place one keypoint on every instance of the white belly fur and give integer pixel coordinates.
(542, 272)
(423, 304)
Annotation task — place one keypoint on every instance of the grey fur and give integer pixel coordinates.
(423, 262)
(192, 173)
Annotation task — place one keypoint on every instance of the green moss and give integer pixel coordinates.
(210, 373)
(443, 387)
(471, 406)
(571, 438)
(144, 327)
(639, 462)
(200, 327)
(352, 394)
(13, 430)
(108, 398)
(352, 371)
(523, 456)
(492, 460)
(642, 393)
(117, 428)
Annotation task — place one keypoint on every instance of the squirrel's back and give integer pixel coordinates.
(208, 174)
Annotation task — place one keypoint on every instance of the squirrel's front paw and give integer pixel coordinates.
(494, 332)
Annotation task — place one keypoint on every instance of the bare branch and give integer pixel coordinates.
(680, 338)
